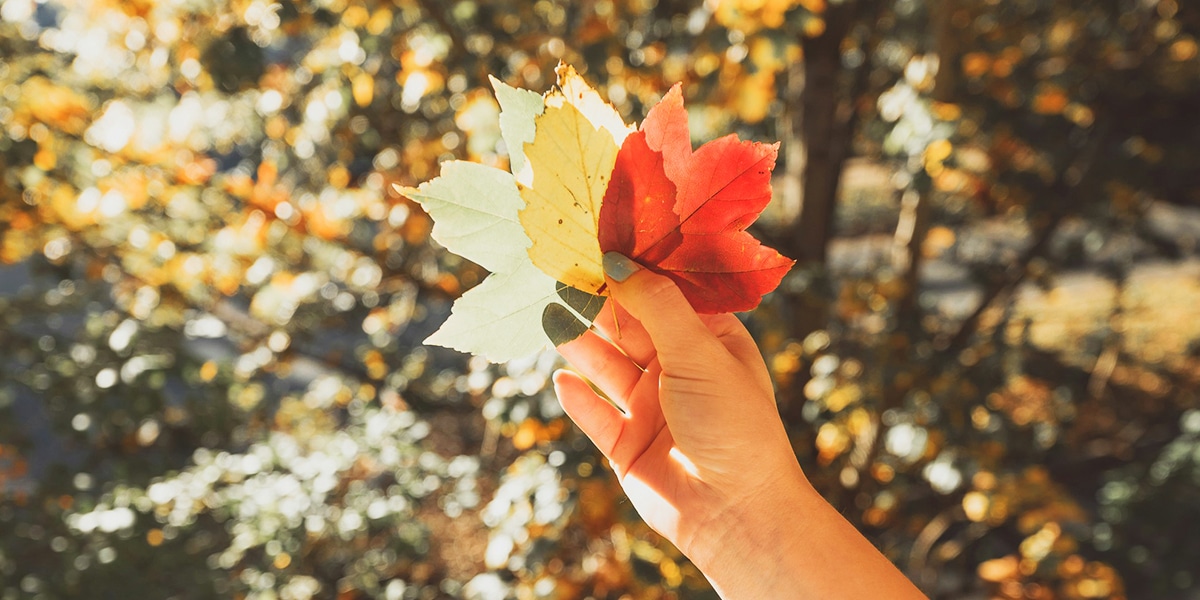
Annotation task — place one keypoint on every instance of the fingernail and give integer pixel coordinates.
(618, 266)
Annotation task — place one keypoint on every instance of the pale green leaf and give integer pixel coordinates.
(586, 305)
(477, 211)
(518, 110)
(571, 315)
(474, 209)
(501, 318)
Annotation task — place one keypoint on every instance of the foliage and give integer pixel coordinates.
(213, 303)
(684, 214)
(583, 183)
(528, 233)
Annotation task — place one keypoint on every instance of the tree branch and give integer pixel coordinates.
(1067, 189)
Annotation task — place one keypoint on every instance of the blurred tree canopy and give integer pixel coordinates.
(212, 303)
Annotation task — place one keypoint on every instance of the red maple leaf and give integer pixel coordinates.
(684, 214)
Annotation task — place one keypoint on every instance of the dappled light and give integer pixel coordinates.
(213, 298)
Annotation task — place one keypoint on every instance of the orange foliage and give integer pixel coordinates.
(56, 106)
(752, 15)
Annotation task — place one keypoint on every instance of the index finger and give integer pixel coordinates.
(678, 333)
(626, 332)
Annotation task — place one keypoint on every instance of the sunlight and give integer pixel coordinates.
(678, 456)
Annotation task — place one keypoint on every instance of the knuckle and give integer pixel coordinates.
(660, 290)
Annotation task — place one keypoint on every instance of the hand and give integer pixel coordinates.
(701, 433)
(697, 444)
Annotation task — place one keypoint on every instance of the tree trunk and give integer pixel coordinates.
(948, 47)
(824, 115)
(820, 111)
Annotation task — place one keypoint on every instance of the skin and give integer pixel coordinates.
(699, 448)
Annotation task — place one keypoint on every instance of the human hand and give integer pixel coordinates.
(701, 442)
(699, 448)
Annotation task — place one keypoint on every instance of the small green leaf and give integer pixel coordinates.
(561, 325)
(585, 304)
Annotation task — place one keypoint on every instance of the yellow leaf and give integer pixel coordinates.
(570, 160)
(571, 163)
(572, 89)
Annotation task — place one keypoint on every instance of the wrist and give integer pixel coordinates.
(774, 517)
(789, 542)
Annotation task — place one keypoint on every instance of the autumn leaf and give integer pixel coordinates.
(509, 315)
(518, 109)
(723, 185)
(542, 229)
(571, 156)
(518, 309)
(637, 218)
(572, 162)
(684, 213)
(504, 317)
(474, 209)
(573, 89)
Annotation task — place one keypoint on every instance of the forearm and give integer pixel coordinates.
(793, 544)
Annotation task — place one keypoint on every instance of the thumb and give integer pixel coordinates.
(679, 336)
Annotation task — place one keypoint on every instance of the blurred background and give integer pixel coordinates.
(211, 301)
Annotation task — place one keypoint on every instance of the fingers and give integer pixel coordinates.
(729, 329)
(598, 419)
(680, 336)
(627, 333)
(604, 364)
(630, 336)
(733, 335)
(621, 438)
(645, 417)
